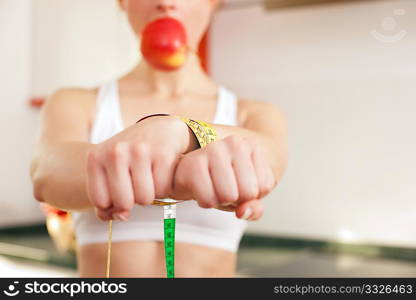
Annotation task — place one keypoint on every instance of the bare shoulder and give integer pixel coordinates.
(72, 99)
(249, 109)
(67, 114)
(72, 96)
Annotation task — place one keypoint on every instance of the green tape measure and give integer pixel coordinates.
(169, 214)
(169, 231)
(169, 209)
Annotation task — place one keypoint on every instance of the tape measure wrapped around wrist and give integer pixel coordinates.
(203, 131)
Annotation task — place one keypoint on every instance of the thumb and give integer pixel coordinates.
(250, 210)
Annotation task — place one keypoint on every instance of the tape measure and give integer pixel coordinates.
(169, 238)
(169, 226)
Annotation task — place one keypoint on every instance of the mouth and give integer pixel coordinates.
(160, 15)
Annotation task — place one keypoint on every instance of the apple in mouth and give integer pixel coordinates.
(164, 44)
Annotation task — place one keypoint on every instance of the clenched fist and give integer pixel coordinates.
(230, 174)
(135, 166)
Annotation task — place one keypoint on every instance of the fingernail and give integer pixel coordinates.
(247, 213)
(119, 217)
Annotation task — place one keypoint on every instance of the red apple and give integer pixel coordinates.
(164, 44)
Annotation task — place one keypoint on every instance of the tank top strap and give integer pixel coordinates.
(107, 96)
(227, 107)
(107, 116)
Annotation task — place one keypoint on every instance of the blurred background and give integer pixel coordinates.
(343, 73)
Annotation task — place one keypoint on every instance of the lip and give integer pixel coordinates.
(160, 15)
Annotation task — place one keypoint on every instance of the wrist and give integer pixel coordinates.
(186, 136)
(186, 139)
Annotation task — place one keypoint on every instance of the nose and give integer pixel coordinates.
(166, 7)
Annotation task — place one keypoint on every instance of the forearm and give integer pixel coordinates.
(59, 175)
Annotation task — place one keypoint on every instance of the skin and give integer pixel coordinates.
(145, 161)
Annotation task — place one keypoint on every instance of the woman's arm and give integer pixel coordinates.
(57, 168)
(134, 166)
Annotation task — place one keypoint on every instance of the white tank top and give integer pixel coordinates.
(210, 227)
(108, 119)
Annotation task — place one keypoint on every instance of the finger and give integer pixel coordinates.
(202, 187)
(261, 170)
(271, 179)
(258, 210)
(96, 182)
(103, 215)
(142, 179)
(110, 214)
(181, 189)
(245, 174)
(120, 185)
(223, 177)
(229, 207)
(163, 168)
(121, 216)
(250, 210)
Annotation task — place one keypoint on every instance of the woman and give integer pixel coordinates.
(94, 160)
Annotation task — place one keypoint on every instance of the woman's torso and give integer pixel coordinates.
(108, 117)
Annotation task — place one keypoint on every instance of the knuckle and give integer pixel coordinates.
(263, 193)
(101, 205)
(215, 149)
(144, 197)
(250, 195)
(162, 189)
(264, 190)
(144, 200)
(206, 204)
(233, 140)
(258, 149)
(101, 215)
(116, 151)
(238, 144)
(139, 150)
(229, 197)
(93, 157)
(163, 192)
(124, 205)
(244, 147)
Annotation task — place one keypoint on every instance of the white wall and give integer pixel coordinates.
(79, 43)
(16, 123)
(350, 102)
